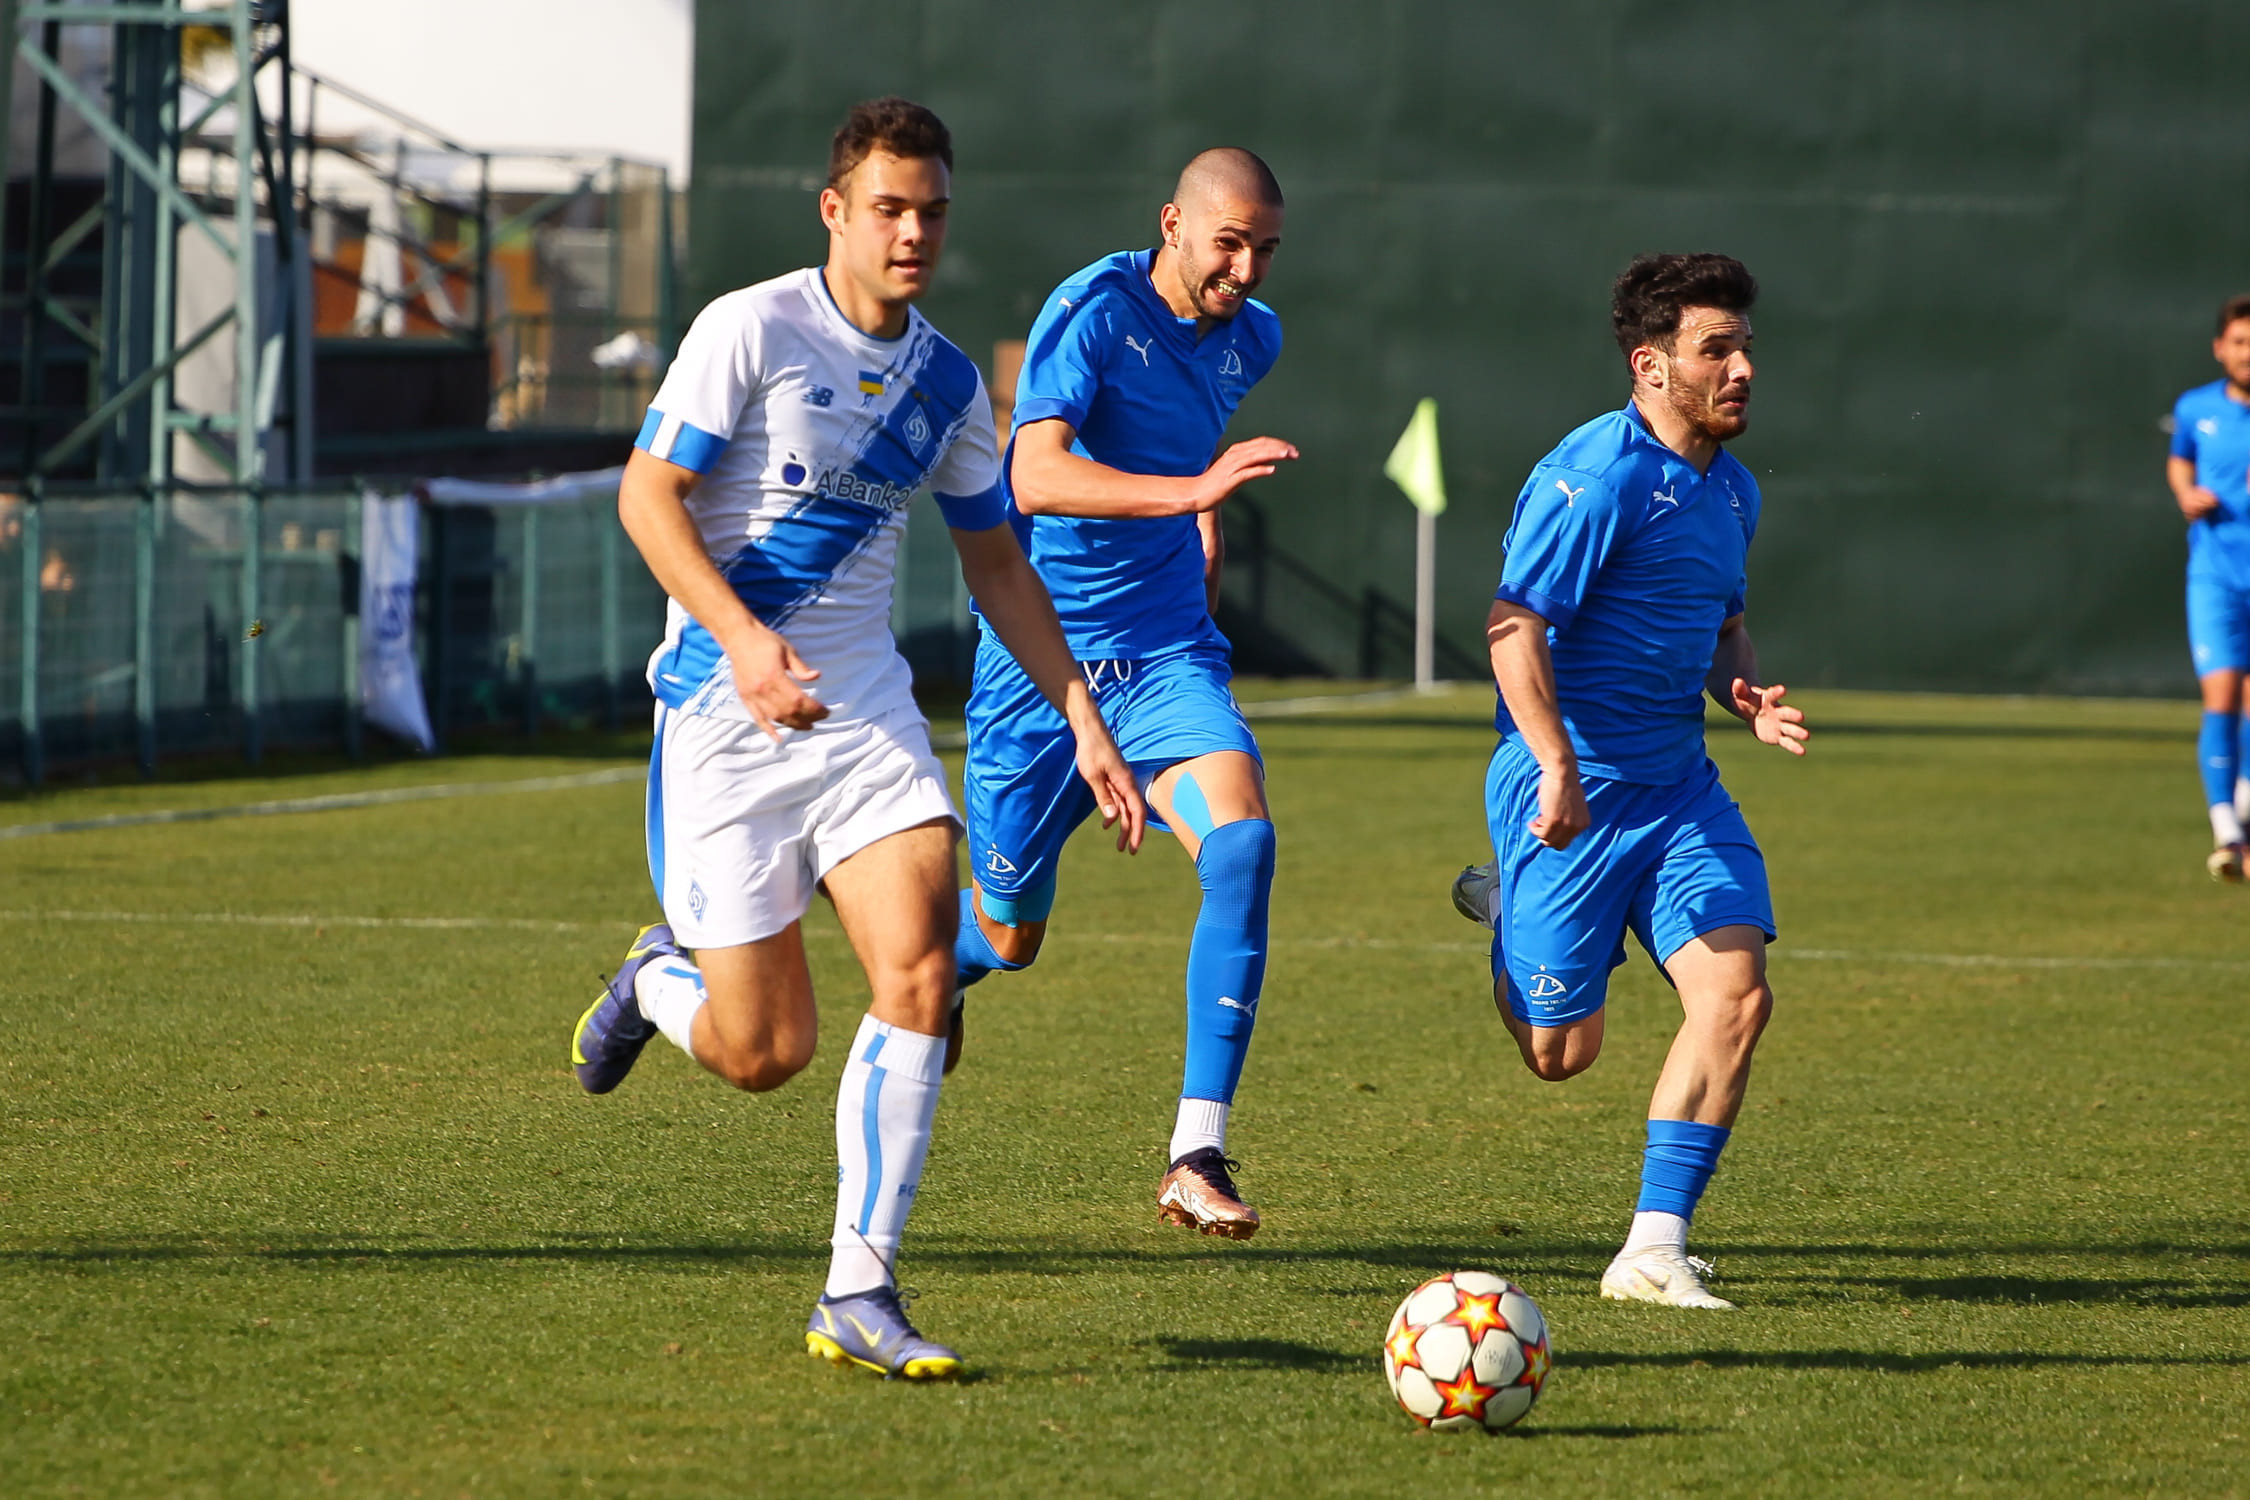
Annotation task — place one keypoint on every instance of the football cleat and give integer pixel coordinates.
(1197, 1192)
(1476, 892)
(2225, 864)
(954, 1028)
(869, 1329)
(1660, 1274)
(613, 1031)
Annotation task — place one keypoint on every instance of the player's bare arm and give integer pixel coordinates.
(1050, 480)
(768, 673)
(1016, 602)
(1733, 685)
(2194, 500)
(1214, 557)
(1525, 672)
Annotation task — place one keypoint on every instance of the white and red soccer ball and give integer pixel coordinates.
(1466, 1350)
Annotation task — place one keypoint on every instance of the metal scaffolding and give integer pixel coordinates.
(136, 346)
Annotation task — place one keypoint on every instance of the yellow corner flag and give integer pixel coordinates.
(1414, 466)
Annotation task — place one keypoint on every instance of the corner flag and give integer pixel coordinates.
(1414, 465)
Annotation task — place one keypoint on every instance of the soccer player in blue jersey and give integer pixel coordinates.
(2209, 471)
(768, 491)
(1132, 369)
(1620, 604)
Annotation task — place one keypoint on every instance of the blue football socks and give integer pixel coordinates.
(1226, 968)
(973, 953)
(1678, 1164)
(2217, 748)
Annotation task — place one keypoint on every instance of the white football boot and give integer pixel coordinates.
(1476, 892)
(1660, 1274)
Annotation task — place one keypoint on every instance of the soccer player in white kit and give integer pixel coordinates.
(768, 492)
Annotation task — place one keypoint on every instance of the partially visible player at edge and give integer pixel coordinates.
(768, 491)
(1133, 368)
(1620, 603)
(2209, 471)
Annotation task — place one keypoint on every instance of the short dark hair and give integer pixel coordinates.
(897, 127)
(2233, 310)
(1646, 299)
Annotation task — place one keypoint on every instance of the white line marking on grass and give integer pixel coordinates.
(530, 924)
(331, 802)
(291, 919)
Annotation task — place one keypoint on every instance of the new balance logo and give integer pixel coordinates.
(1569, 495)
(1140, 349)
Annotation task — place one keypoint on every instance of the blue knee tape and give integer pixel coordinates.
(1192, 806)
(1027, 906)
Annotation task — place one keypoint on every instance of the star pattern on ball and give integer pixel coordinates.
(1535, 1361)
(1466, 1397)
(1400, 1347)
(1479, 1315)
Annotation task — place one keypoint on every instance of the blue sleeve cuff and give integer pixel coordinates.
(1553, 611)
(979, 512)
(1048, 409)
(678, 442)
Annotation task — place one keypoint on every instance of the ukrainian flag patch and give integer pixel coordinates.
(870, 383)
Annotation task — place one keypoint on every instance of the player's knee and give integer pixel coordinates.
(1750, 1013)
(758, 1067)
(1553, 1065)
(1017, 945)
(1236, 859)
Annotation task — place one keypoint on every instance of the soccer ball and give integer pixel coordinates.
(1466, 1350)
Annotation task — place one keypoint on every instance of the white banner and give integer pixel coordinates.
(390, 686)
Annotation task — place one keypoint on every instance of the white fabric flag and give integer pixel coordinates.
(390, 685)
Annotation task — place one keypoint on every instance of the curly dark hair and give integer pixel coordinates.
(2233, 310)
(897, 127)
(1646, 299)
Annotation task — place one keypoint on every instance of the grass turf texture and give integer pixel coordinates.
(284, 1208)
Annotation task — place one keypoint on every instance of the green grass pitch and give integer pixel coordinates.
(316, 1208)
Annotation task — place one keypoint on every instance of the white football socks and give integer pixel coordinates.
(670, 992)
(2242, 798)
(1200, 1123)
(2226, 828)
(884, 1106)
(1653, 1230)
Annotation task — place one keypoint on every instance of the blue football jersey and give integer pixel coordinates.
(1145, 396)
(2212, 430)
(1634, 560)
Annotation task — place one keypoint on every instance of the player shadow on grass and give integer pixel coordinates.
(1893, 1363)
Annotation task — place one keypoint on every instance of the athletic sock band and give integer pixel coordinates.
(973, 953)
(1226, 968)
(1677, 1165)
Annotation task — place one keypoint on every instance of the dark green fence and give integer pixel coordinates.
(1991, 237)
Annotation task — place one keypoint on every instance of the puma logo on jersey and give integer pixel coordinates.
(1569, 495)
(1665, 497)
(1140, 349)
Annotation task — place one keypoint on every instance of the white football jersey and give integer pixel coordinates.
(812, 437)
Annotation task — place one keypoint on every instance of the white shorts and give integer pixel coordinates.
(742, 829)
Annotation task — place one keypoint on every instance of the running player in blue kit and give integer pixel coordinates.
(1131, 372)
(2209, 471)
(1620, 604)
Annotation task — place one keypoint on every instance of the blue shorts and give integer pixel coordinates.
(1021, 787)
(2218, 624)
(1670, 862)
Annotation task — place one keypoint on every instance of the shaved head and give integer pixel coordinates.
(1227, 175)
(1220, 232)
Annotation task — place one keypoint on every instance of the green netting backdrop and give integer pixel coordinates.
(1991, 236)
